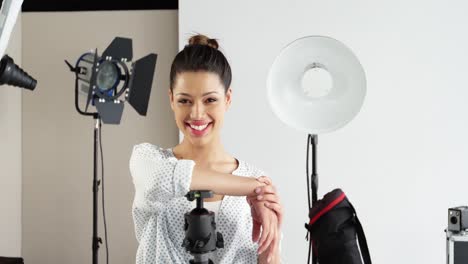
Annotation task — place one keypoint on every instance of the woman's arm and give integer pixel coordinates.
(223, 183)
(269, 195)
(263, 258)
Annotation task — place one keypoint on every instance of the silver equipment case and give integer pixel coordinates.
(457, 247)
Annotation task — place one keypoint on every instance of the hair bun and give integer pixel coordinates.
(203, 40)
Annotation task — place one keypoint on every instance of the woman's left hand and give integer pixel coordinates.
(269, 195)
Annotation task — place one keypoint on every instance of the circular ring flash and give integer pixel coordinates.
(316, 85)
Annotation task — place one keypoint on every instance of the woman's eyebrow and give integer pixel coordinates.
(186, 94)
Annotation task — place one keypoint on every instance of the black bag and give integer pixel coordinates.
(5, 260)
(333, 227)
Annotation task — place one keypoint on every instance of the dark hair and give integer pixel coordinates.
(201, 54)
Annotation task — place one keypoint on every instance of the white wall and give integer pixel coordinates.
(402, 160)
(10, 156)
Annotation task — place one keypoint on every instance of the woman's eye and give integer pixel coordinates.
(184, 101)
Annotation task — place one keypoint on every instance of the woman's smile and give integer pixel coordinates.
(200, 130)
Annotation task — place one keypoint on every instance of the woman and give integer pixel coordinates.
(199, 95)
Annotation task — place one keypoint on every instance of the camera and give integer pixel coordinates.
(457, 235)
(458, 218)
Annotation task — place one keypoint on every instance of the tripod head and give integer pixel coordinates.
(201, 238)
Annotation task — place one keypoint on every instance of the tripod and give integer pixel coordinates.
(201, 238)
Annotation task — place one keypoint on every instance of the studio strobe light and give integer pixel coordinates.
(316, 85)
(111, 79)
(108, 81)
(10, 73)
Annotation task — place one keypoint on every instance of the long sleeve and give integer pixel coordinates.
(161, 181)
(157, 179)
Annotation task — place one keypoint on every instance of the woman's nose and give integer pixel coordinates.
(197, 112)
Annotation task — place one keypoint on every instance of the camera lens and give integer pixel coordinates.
(453, 220)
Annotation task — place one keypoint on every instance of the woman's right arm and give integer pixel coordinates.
(158, 179)
(223, 183)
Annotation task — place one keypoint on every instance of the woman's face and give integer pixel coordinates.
(199, 103)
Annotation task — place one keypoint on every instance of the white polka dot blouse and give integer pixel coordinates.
(161, 182)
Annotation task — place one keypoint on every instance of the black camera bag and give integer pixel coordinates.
(333, 228)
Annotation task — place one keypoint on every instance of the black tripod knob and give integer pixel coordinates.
(219, 240)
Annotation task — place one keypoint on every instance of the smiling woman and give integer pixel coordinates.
(199, 96)
(199, 105)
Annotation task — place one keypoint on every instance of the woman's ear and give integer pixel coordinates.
(228, 98)
(171, 99)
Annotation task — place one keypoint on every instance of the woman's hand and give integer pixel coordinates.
(269, 195)
(266, 219)
(266, 197)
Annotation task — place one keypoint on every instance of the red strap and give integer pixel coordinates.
(325, 210)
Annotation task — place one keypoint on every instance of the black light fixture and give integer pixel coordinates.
(111, 79)
(10, 73)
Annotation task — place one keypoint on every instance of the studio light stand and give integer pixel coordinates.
(315, 85)
(312, 140)
(106, 79)
(201, 238)
(96, 240)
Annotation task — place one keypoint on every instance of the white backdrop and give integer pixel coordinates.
(402, 160)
